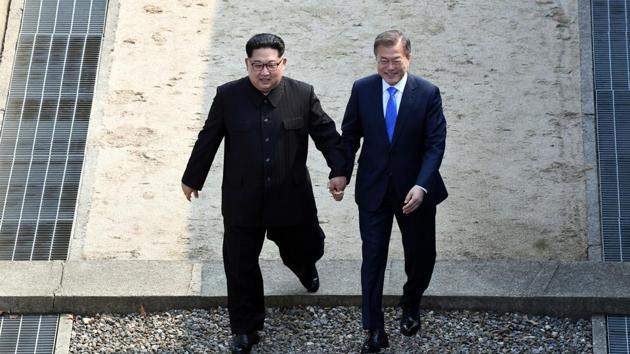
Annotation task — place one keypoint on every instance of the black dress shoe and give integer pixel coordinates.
(376, 340)
(310, 279)
(242, 343)
(409, 323)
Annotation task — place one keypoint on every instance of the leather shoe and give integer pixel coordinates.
(409, 323)
(243, 343)
(376, 340)
(310, 279)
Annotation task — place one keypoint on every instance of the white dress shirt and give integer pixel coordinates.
(400, 86)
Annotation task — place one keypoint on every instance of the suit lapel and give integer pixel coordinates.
(404, 111)
(378, 102)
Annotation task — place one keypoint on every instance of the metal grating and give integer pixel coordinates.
(42, 139)
(611, 64)
(32, 334)
(42, 144)
(618, 334)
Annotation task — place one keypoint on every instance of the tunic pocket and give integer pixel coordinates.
(293, 123)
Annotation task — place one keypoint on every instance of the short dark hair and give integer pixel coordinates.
(264, 40)
(390, 38)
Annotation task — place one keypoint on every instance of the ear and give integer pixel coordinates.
(246, 66)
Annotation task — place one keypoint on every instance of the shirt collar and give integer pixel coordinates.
(273, 96)
(400, 85)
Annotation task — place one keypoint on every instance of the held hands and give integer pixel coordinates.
(188, 191)
(336, 185)
(413, 199)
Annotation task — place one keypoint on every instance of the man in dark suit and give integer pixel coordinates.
(265, 120)
(399, 116)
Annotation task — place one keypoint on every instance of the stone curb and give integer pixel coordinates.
(555, 288)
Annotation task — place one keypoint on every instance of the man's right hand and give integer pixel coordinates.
(188, 191)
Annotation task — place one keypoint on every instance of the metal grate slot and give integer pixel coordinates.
(42, 138)
(33, 334)
(618, 334)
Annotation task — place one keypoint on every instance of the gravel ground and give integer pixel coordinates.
(330, 330)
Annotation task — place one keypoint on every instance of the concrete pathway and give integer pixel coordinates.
(554, 288)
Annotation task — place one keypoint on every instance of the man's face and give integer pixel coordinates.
(392, 63)
(265, 69)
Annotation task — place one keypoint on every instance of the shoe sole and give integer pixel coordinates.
(411, 332)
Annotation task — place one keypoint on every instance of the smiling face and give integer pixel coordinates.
(258, 71)
(392, 62)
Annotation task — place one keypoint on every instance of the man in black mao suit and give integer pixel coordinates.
(265, 120)
(399, 117)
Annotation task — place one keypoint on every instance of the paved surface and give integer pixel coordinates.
(555, 288)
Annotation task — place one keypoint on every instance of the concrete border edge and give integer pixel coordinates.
(600, 334)
(577, 289)
(64, 334)
(589, 133)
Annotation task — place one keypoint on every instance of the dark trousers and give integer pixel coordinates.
(300, 246)
(418, 237)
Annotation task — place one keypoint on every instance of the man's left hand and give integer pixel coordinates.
(413, 200)
(336, 185)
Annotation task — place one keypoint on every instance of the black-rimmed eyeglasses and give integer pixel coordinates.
(271, 66)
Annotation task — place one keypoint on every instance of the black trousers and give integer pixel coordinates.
(300, 247)
(418, 237)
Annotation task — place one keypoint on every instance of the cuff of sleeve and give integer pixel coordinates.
(424, 189)
(337, 172)
(192, 184)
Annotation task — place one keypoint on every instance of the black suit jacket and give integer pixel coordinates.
(265, 179)
(415, 153)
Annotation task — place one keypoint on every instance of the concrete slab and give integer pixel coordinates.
(555, 288)
(28, 285)
(340, 284)
(472, 279)
(573, 288)
(212, 279)
(64, 334)
(600, 335)
(121, 286)
(123, 278)
(589, 279)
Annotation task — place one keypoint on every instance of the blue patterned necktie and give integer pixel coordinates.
(390, 113)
